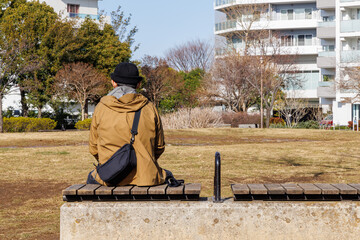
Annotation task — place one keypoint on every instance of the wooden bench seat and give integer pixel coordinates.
(93, 192)
(299, 191)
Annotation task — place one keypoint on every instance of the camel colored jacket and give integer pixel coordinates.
(110, 130)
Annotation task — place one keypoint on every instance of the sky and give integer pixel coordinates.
(164, 24)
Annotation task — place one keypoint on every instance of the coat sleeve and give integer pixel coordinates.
(94, 136)
(160, 142)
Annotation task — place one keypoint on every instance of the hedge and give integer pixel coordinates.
(24, 124)
(82, 125)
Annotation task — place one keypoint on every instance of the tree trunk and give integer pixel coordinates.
(24, 106)
(1, 115)
(39, 112)
(268, 115)
(86, 109)
(82, 112)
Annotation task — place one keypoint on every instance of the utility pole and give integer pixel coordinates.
(261, 101)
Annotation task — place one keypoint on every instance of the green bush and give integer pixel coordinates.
(23, 124)
(82, 125)
(308, 125)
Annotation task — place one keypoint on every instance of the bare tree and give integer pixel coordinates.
(229, 81)
(292, 109)
(161, 80)
(350, 82)
(82, 83)
(191, 55)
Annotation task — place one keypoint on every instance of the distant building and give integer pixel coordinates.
(326, 36)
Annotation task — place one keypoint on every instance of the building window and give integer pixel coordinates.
(328, 48)
(73, 10)
(301, 40)
(308, 13)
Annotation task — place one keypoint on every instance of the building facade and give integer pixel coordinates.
(325, 35)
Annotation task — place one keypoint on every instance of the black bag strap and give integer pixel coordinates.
(134, 130)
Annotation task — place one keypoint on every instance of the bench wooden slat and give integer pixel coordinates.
(192, 188)
(327, 189)
(292, 189)
(345, 189)
(122, 190)
(310, 189)
(275, 188)
(88, 189)
(72, 190)
(258, 189)
(104, 190)
(139, 190)
(175, 190)
(240, 189)
(157, 190)
(356, 186)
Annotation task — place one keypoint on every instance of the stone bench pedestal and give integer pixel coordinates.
(208, 220)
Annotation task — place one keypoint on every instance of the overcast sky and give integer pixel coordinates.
(164, 24)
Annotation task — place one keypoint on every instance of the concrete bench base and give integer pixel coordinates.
(208, 220)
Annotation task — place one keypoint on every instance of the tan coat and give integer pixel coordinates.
(110, 130)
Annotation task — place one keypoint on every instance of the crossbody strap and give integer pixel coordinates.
(134, 130)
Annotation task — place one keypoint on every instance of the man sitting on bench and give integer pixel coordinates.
(111, 129)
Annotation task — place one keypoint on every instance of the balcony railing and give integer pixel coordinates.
(224, 2)
(326, 24)
(350, 26)
(326, 84)
(350, 56)
(82, 15)
(230, 24)
(327, 54)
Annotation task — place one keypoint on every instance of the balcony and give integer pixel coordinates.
(349, 26)
(275, 24)
(326, 60)
(325, 4)
(83, 16)
(327, 54)
(225, 3)
(350, 56)
(326, 30)
(326, 90)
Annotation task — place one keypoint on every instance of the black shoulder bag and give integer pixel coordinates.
(123, 161)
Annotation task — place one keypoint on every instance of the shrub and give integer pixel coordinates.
(308, 125)
(240, 118)
(350, 124)
(191, 118)
(82, 125)
(277, 121)
(23, 124)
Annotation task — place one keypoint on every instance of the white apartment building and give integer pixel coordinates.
(325, 34)
(66, 8)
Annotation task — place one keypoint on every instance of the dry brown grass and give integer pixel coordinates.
(33, 175)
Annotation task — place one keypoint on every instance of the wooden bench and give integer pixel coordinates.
(299, 191)
(95, 192)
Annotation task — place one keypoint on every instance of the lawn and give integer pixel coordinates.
(35, 167)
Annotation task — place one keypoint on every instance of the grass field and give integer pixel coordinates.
(35, 167)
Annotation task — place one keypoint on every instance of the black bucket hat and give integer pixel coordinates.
(126, 73)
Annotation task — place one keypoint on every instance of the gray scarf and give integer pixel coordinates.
(121, 90)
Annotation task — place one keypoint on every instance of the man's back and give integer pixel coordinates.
(110, 130)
